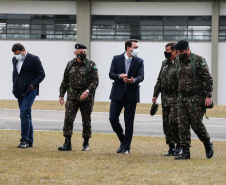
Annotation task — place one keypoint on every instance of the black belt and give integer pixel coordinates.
(188, 94)
(75, 91)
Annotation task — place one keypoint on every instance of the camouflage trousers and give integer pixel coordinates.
(190, 114)
(170, 124)
(72, 107)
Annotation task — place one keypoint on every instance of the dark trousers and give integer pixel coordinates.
(25, 103)
(129, 114)
(72, 107)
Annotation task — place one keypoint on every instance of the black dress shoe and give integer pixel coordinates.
(120, 149)
(30, 144)
(209, 149)
(125, 152)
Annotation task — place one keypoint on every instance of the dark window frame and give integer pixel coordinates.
(151, 28)
(38, 26)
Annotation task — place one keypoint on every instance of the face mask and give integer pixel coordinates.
(183, 56)
(167, 55)
(135, 52)
(81, 56)
(19, 57)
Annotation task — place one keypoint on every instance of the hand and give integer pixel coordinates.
(127, 80)
(123, 75)
(154, 100)
(208, 101)
(32, 87)
(61, 100)
(84, 95)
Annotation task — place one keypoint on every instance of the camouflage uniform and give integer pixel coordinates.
(191, 105)
(79, 77)
(168, 86)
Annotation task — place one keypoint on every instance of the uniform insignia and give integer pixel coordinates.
(94, 67)
(203, 63)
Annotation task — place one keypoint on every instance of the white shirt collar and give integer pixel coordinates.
(126, 57)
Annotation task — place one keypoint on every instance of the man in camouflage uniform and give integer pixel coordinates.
(195, 86)
(167, 84)
(80, 82)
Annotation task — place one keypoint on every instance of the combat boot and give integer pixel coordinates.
(209, 149)
(171, 150)
(178, 150)
(86, 145)
(185, 154)
(67, 145)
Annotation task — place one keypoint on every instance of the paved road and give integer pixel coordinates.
(144, 124)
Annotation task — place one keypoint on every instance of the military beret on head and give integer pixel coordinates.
(80, 46)
(182, 45)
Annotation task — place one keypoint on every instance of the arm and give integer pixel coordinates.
(157, 88)
(65, 82)
(94, 82)
(39, 71)
(113, 71)
(140, 74)
(94, 78)
(205, 78)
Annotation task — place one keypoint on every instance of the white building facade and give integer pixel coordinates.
(50, 29)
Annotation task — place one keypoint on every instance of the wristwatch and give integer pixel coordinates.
(87, 91)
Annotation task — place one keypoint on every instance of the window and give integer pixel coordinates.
(155, 28)
(222, 28)
(29, 26)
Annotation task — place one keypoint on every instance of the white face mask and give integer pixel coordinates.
(19, 57)
(135, 52)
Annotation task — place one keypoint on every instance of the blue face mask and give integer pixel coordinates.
(135, 52)
(19, 57)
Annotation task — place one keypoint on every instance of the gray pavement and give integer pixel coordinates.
(144, 124)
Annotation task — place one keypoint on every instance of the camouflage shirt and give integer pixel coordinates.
(204, 81)
(78, 77)
(167, 83)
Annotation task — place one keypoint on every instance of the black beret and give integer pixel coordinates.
(182, 45)
(80, 46)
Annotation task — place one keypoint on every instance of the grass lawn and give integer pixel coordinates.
(44, 164)
(142, 108)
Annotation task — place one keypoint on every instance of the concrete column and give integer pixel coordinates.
(214, 49)
(84, 24)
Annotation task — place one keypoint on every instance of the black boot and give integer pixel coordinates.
(171, 150)
(178, 150)
(209, 149)
(185, 154)
(67, 145)
(85, 144)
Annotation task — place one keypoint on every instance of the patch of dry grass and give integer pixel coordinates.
(44, 164)
(142, 108)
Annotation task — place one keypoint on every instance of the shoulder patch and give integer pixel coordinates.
(203, 63)
(94, 67)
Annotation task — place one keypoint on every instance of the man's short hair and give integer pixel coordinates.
(172, 45)
(17, 46)
(129, 43)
